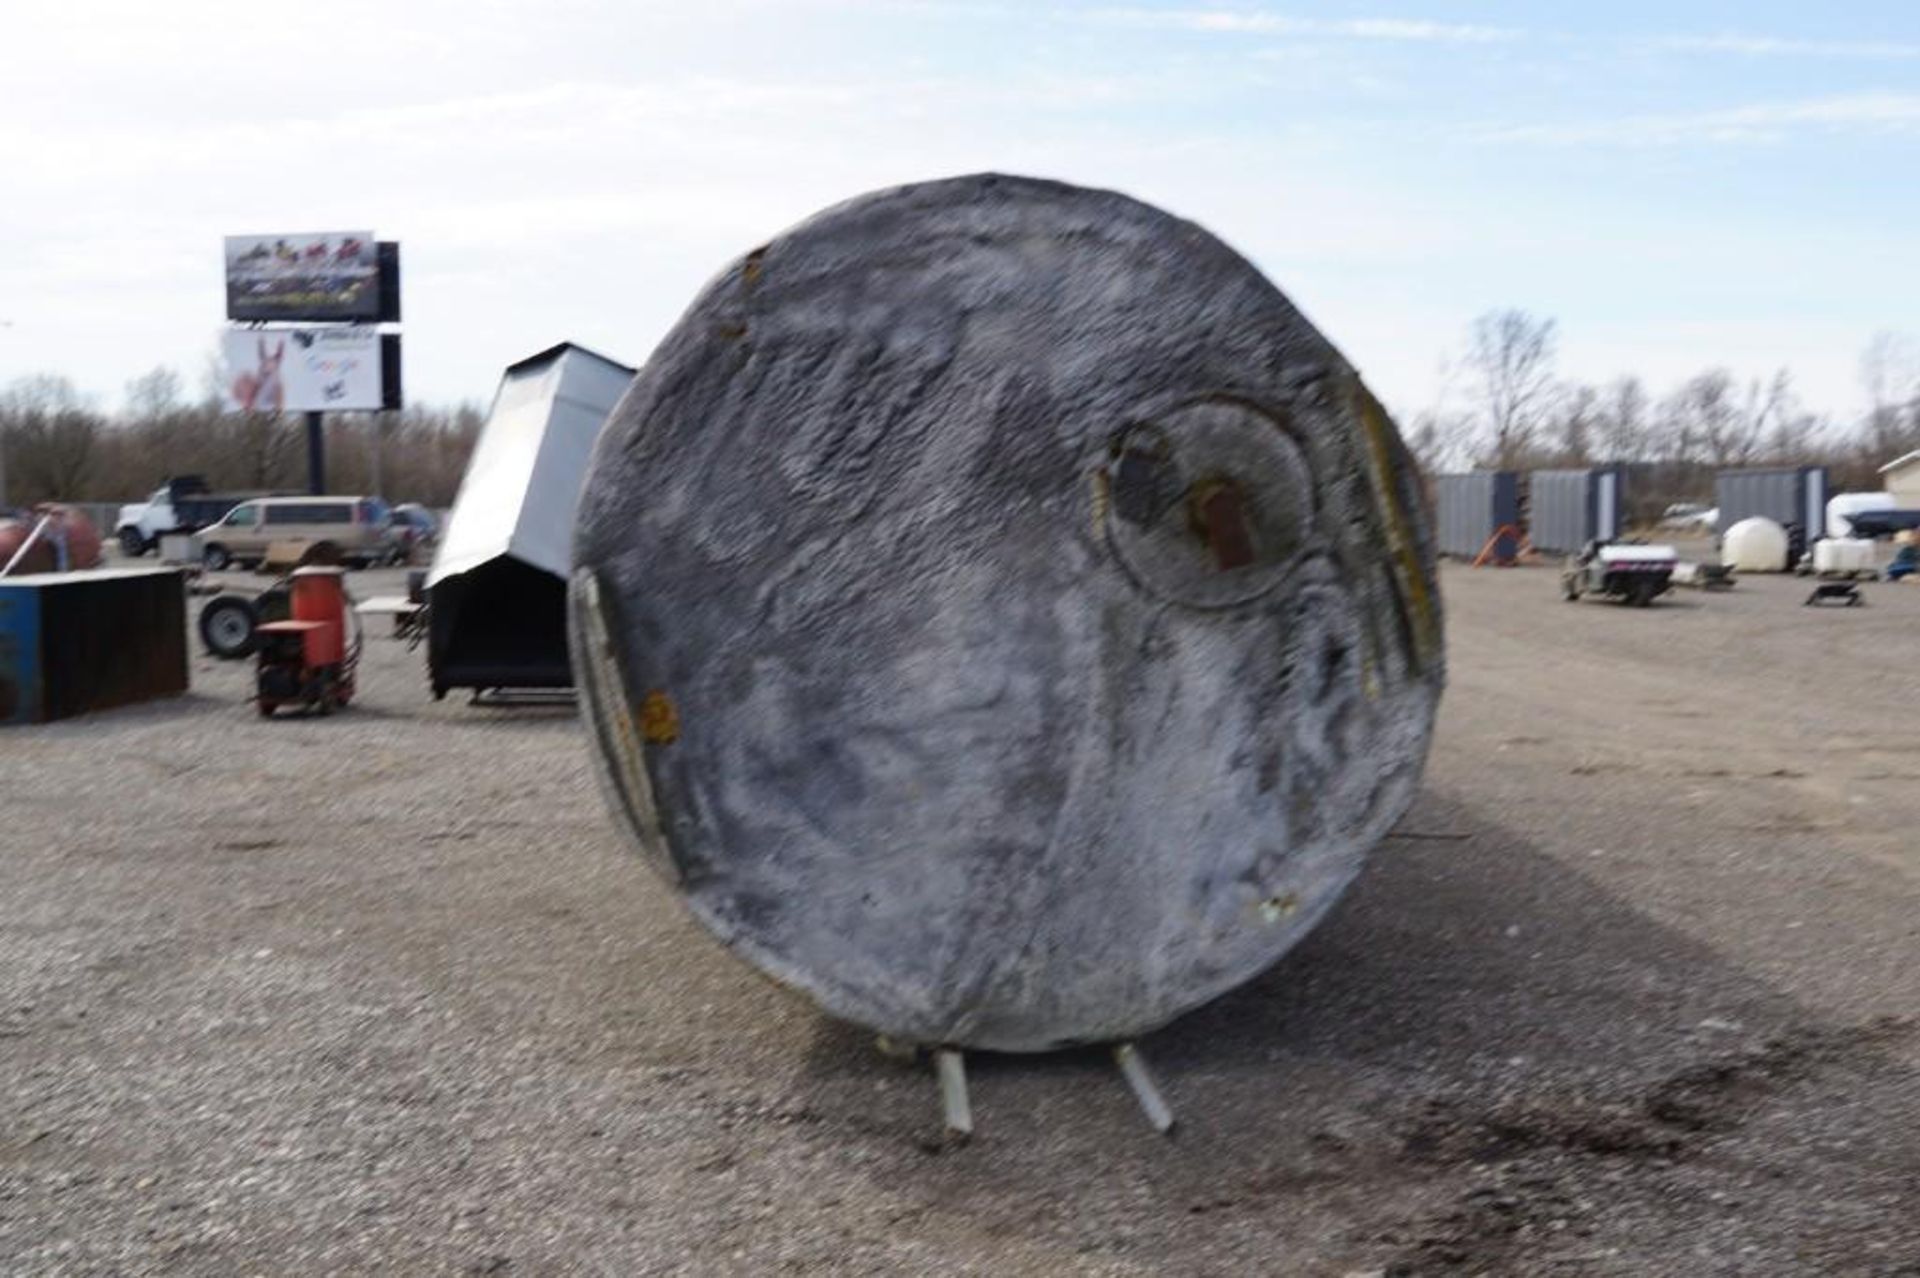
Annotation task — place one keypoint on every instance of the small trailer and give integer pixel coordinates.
(1631, 572)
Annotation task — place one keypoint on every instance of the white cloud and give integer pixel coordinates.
(578, 169)
(1774, 46)
(1756, 123)
(1265, 22)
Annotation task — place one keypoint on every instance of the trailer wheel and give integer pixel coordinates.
(227, 626)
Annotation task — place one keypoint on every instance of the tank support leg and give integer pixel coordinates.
(1133, 1067)
(953, 1091)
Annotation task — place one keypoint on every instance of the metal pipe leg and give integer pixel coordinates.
(1133, 1067)
(953, 1091)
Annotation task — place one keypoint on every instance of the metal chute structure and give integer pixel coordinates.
(496, 593)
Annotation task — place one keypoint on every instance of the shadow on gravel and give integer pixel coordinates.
(1455, 1071)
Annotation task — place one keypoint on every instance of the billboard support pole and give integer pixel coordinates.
(316, 455)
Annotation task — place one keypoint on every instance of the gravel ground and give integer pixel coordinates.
(1632, 991)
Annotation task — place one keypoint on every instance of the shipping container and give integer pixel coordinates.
(1566, 509)
(1791, 496)
(1469, 509)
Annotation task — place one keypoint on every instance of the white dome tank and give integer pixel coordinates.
(1842, 509)
(1755, 544)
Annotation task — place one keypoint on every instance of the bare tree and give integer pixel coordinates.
(1625, 433)
(50, 437)
(1890, 375)
(1577, 423)
(1439, 441)
(1769, 412)
(152, 396)
(1798, 438)
(1511, 355)
(1708, 420)
(264, 446)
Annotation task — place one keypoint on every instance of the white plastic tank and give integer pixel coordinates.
(1843, 556)
(1755, 544)
(1842, 509)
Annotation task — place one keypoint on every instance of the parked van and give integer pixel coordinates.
(359, 529)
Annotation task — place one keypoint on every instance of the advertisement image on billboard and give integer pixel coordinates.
(331, 276)
(304, 370)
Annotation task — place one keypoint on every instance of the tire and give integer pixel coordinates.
(227, 625)
(132, 544)
(274, 603)
(214, 558)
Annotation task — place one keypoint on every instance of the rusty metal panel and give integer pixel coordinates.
(75, 642)
(1470, 508)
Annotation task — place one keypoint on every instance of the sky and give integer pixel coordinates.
(1678, 185)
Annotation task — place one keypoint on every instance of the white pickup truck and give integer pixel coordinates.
(180, 505)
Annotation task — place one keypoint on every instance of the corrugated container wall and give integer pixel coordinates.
(1566, 509)
(1785, 494)
(1470, 508)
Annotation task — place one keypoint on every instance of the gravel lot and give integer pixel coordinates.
(1632, 991)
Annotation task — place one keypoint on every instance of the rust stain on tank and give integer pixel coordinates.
(659, 721)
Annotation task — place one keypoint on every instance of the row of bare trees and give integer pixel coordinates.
(55, 445)
(1507, 408)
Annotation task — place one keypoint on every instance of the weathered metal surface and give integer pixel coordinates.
(518, 493)
(1003, 616)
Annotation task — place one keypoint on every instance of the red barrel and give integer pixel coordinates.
(320, 594)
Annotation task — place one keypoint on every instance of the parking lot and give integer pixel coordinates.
(1631, 990)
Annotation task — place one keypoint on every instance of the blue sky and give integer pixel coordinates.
(1680, 185)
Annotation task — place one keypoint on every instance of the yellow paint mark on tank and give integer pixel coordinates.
(1275, 908)
(1413, 582)
(659, 721)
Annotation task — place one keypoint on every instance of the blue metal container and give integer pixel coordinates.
(75, 642)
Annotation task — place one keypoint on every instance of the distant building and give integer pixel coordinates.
(1901, 477)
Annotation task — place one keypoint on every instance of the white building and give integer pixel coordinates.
(1901, 477)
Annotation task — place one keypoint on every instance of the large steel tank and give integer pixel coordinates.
(66, 539)
(1003, 616)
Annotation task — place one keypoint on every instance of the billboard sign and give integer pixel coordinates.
(304, 370)
(331, 276)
